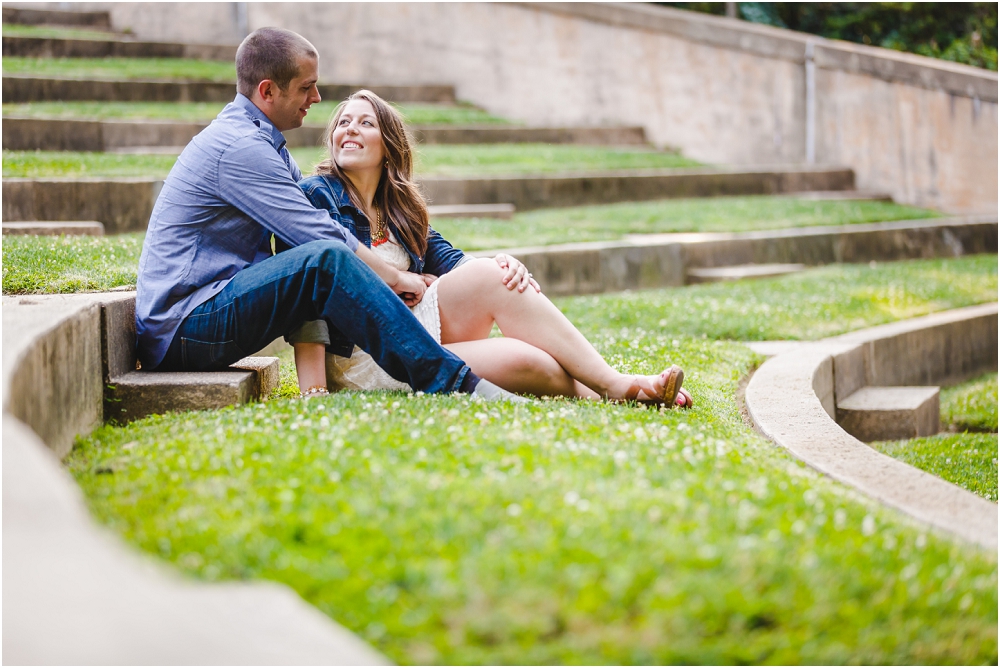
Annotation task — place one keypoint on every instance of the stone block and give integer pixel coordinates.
(118, 336)
(739, 272)
(499, 211)
(500, 134)
(122, 205)
(98, 20)
(890, 413)
(52, 366)
(70, 227)
(136, 394)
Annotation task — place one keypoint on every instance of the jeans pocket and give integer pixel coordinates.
(206, 355)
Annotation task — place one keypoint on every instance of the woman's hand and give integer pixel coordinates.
(410, 287)
(517, 275)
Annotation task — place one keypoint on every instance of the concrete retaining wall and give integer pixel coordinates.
(723, 91)
(73, 593)
(48, 47)
(792, 400)
(649, 261)
(20, 88)
(42, 134)
(125, 204)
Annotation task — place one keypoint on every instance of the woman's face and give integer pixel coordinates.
(357, 139)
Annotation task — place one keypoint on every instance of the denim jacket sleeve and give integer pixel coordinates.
(441, 256)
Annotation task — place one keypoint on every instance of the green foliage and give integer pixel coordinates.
(123, 68)
(447, 531)
(969, 459)
(810, 305)
(319, 114)
(963, 32)
(613, 221)
(971, 406)
(48, 265)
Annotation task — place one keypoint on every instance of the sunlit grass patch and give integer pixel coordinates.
(971, 406)
(608, 222)
(813, 304)
(319, 114)
(123, 68)
(447, 531)
(62, 264)
(76, 164)
(56, 32)
(968, 459)
(494, 159)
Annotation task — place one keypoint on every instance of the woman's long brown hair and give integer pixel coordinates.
(396, 195)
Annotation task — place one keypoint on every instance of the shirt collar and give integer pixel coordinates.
(260, 120)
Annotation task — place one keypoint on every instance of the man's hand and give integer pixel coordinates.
(517, 275)
(410, 287)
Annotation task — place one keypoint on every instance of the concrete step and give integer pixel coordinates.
(136, 394)
(30, 16)
(823, 195)
(500, 211)
(69, 227)
(534, 191)
(741, 271)
(890, 413)
(131, 394)
(21, 88)
(112, 47)
(664, 260)
(156, 136)
(124, 205)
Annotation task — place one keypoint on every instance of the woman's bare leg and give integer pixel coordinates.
(519, 367)
(310, 365)
(472, 297)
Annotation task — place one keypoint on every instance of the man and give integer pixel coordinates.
(209, 291)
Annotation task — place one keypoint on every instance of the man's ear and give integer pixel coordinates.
(265, 90)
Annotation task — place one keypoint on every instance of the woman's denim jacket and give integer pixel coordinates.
(328, 192)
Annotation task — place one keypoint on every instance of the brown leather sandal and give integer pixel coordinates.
(664, 395)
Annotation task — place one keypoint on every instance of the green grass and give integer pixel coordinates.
(494, 159)
(483, 159)
(319, 114)
(969, 459)
(19, 30)
(48, 265)
(810, 305)
(73, 164)
(613, 221)
(123, 68)
(444, 531)
(971, 406)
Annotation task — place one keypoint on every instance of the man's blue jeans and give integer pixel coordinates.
(317, 280)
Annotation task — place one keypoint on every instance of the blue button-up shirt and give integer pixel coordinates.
(233, 186)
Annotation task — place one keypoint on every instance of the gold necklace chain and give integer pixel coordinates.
(379, 233)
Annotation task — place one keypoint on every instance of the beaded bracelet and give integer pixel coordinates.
(314, 391)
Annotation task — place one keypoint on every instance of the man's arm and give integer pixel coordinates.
(254, 179)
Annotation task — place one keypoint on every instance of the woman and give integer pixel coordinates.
(365, 184)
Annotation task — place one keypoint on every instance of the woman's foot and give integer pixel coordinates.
(662, 390)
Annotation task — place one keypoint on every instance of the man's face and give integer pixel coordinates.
(287, 108)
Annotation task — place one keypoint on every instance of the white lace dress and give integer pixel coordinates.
(359, 371)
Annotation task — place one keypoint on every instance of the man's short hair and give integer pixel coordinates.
(270, 53)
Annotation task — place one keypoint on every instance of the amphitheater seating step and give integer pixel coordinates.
(26, 16)
(115, 46)
(820, 195)
(890, 413)
(82, 228)
(136, 394)
(741, 271)
(501, 211)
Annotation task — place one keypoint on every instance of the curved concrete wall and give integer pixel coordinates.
(721, 90)
(72, 592)
(792, 400)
